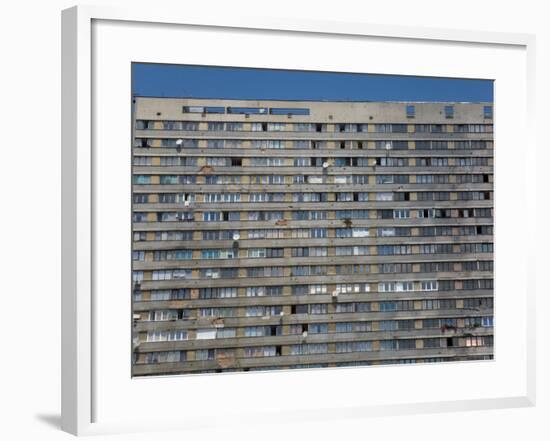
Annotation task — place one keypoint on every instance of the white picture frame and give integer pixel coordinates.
(82, 392)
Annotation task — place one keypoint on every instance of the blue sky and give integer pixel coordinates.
(166, 80)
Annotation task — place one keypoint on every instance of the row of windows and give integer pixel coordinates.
(222, 216)
(161, 315)
(319, 348)
(321, 328)
(174, 198)
(307, 144)
(317, 179)
(344, 288)
(246, 110)
(233, 126)
(180, 356)
(270, 291)
(297, 270)
(278, 233)
(307, 270)
(324, 162)
(439, 248)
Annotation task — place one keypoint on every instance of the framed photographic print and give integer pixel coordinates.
(285, 207)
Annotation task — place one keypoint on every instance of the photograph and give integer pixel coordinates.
(287, 219)
(275, 222)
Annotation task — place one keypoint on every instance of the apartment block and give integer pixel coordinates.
(305, 234)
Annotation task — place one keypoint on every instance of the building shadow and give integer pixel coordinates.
(51, 419)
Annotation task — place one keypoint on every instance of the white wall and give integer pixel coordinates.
(30, 182)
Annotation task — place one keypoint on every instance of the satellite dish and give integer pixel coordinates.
(325, 164)
(179, 142)
(186, 203)
(236, 236)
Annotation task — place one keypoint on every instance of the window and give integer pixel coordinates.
(321, 308)
(488, 112)
(318, 328)
(217, 293)
(266, 162)
(388, 345)
(304, 127)
(248, 110)
(173, 255)
(138, 255)
(154, 336)
(395, 286)
(387, 196)
(403, 213)
(288, 111)
(206, 334)
(428, 285)
(163, 315)
(411, 111)
(142, 160)
(218, 273)
(317, 289)
(215, 126)
(141, 179)
(205, 354)
(267, 271)
(449, 112)
(349, 288)
(165, 357)
(261, 351)
(312, 348)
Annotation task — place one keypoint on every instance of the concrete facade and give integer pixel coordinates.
(291, 234)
